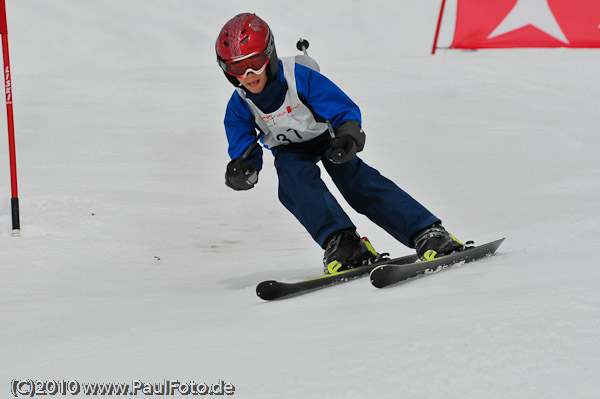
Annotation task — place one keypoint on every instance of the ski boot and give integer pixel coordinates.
(345, 250)
(435, 241)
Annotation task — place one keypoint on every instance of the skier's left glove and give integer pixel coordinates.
(350, 139)
(241, 174)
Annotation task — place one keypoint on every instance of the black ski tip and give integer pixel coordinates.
(268, 290)
(373, 276)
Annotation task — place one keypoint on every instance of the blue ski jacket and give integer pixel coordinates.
(326, 101)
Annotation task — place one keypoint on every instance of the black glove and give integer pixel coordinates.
(241, 174)
(350, 139)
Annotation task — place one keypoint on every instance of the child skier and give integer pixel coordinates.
(305, 118)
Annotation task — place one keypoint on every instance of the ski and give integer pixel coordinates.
(271, 289)
(387, 274)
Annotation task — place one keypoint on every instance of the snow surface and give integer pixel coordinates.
(137, 262)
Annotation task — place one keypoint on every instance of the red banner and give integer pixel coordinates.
(527, 23)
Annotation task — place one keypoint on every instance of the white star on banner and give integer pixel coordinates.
(531, 12)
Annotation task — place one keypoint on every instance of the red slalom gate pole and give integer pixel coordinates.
(16, 224)
(437, 31)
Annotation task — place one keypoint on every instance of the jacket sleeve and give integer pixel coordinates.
(241, 131)
(325, 98)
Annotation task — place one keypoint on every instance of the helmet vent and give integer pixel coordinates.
(226, 44)
(245, 40)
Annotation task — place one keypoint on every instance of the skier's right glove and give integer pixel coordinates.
(241, 174)
(350, 139)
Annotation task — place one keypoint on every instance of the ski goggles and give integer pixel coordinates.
(240, 68)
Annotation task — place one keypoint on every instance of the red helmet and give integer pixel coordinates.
(246, 36)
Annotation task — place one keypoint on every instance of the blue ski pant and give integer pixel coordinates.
(306, 196)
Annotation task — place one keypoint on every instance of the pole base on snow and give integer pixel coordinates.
(16, 224)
